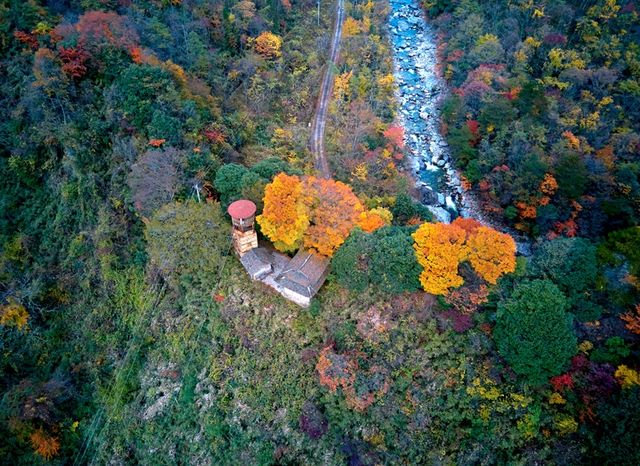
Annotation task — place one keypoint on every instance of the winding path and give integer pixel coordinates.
(320, 118)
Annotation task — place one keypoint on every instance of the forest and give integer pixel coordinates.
(130, 332)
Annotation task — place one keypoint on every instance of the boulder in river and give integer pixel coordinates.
(428, 196)
(440, 214)
(403, 25)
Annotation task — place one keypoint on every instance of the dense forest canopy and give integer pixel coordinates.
(129, 331)
(543, 115)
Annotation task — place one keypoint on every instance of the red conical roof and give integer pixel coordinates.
(242, 209)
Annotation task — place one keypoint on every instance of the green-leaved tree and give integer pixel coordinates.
(534, 332)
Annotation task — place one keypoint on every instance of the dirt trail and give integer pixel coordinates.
(320, 117)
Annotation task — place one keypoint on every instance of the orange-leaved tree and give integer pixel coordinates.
(336, 370)
(334, 212)
(439, 248)
(469, 225)
(316, 213)
(548, 185)
(371, 220)
(632, 320)
(361, 388)
(285, 216)
(44, 445)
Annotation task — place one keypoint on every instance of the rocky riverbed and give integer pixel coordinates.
(420, 92)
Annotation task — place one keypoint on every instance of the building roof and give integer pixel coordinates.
(305, 274)
(258, 262)
(242, 209)
(297, 279)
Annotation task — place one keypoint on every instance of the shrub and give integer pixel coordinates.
(312, 421)
(393, 265)
(570, 263)
(406, 209)
(383, 259)
(350, 264)
(139, 88)
(187, 240)
(614, 350)
(153, 179)
(616, 441)
(228, 182)
(268, 168)
(624, 243)
(533, 331)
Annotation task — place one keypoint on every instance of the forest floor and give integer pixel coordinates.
(320, 117)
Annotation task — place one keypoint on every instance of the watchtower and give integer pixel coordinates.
(243, 214)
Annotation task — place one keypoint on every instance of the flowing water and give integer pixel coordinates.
(420, 91)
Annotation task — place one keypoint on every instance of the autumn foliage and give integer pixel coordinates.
(14, 314)
(74, 61)
(285, 217)
(361, 388)
(157, 142)
(335, 370)
(549, 185)
(334, 212)
(371, 220)
(351, 27)
(491, 253)
(26, 38)
(632, 320)
(312, 212)
(44, 445)
(466, 300)
(97, 28)
(440, 248)
(562, 382)
(268, 45)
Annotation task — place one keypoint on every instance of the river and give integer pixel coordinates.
(420, 92)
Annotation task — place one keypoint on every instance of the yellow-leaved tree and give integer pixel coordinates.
(491, 253)
(268, 45)
(439, 248)
(285, 216)
(351, 27)
(312, 212)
